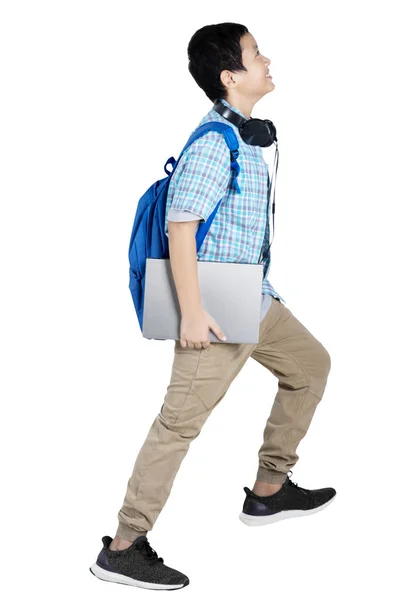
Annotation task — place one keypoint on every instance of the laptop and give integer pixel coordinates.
(230, 292)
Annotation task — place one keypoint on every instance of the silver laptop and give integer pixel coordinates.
(230, 292)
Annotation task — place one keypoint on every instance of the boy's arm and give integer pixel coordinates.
(183, 260)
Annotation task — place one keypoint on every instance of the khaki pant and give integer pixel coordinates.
(200, 379)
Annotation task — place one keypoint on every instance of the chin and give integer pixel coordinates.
(270, 89)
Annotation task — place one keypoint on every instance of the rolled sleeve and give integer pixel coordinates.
(182, 215)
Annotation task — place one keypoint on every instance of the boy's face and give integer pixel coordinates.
(254, 83)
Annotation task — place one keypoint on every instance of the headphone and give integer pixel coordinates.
(255, 132)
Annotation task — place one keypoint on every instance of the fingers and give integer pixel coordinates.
(198, 345)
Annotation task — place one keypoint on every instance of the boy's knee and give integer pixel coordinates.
(325, 360)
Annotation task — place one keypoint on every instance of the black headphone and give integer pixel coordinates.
(255, 132)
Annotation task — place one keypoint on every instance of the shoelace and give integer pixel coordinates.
(151, 553)
(293, 484)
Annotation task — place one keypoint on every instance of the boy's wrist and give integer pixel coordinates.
(193, 311)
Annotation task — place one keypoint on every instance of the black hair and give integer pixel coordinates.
(212, 49)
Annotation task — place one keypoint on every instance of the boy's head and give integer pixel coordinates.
(225, 62)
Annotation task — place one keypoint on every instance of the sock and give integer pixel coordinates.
(134, 537)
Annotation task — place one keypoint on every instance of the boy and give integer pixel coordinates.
(226, 63)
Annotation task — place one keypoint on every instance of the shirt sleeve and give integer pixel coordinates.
(179, 216)
(182, 215)
(202, 176)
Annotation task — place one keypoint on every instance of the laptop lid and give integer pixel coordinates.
(230, 292)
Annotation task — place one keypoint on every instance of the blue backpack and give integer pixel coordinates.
(148, 239)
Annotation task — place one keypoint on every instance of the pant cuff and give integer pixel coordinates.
(270, 476)
(128, 533)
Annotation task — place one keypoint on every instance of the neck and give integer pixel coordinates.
(245, 105)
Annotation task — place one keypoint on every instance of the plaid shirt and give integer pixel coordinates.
(203, 176)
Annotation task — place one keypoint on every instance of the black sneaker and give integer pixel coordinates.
(290, 501)
(137, 565)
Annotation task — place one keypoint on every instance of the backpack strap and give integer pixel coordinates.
(230, 138)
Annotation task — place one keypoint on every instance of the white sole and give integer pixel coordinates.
(285, 514)
(118, 578)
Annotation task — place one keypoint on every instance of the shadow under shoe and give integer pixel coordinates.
(290, 500)
(138, 565)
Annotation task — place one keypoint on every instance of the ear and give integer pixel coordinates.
(226, 78)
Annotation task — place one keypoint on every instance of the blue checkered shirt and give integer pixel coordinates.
(203, 176)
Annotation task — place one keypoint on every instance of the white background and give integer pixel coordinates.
(96, 96)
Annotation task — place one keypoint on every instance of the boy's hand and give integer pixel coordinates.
(194, 330)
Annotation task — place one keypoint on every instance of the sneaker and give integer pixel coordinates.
(138, 565)
(289, 501)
